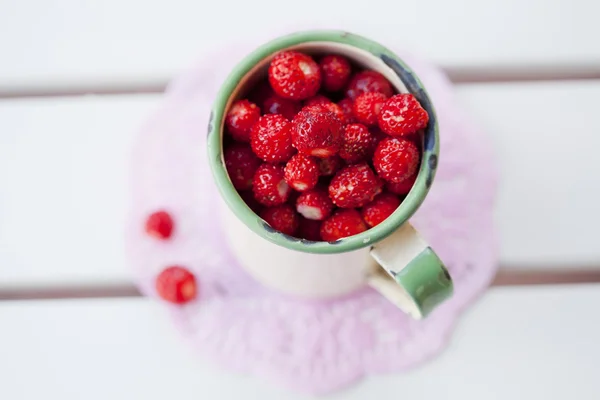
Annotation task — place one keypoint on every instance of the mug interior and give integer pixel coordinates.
(361, 52)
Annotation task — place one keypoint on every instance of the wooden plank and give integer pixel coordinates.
(63, 182)
(514, 343)
(137, 44)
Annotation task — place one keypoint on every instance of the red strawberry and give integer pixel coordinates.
(294, 75)
(270, 188)
(159, 224)
(367, 107)
(402, 115)
(278, 105)
(346, 106)
(379, 209)
(176, 284)
(241, 164)
(302, 172)
(319, 101)
(403, 187)
(240, 118)
(330, 165)
(316, 133)
(335, 71)
(314, 204)
(354, 186)
(368, 81)
(343, 223)
(282, 218)
(309, 229)
(248, 197)
(396, 159)
(271, 138)
(357, 143)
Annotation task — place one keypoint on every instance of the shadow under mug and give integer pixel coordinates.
(391, 257)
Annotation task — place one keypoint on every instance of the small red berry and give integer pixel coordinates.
(176, 284)
(241, 117)
(302, 172)
(282, 218)
(377, 136)
(314, 204)
(368, 81)
(335, 72)
(317, 133)
(342, 224)
(269, 187)
(309, 229)
(330, 165)
(379, 209)
(241, 164)
(357, 143)
(396, 159)
(294, 75)
(367, 107)
(248, 197)
(271, 138)
(346, 106)
(402, 187)
(321, 102)
(159, 225)
(354, 186)
(402, 115)
(278, 105)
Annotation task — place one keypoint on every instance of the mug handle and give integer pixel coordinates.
(410, 274)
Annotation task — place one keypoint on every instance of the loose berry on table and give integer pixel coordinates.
(176, 284)
(159, 224)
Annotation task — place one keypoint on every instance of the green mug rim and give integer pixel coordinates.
(410, 204)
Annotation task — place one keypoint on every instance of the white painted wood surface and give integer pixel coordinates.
(61, 43)
(63, 179)
(516, 343)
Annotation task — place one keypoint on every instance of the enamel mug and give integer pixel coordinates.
(390, 257)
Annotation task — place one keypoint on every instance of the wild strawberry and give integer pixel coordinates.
(302, 172)
(354, 186)
(271, 138)
(367, 107)
(270, 188)
(240, 118)
(241, 164)
(323, 102)
(357, 142)
(176, 284)
(314, 204)
(395, 159)
(330, 165)
(251, 202)
(282, 218)
(316, 133)
(278, 105)
(346, 106)
(368, 81)
(335, 72)
(309, 229)
(294, 75)
(379, 209)
(342, 224)
(402, 187)
(159, 224)
(402, 115)
(377, 136)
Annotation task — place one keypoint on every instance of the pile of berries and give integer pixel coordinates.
(323, 150)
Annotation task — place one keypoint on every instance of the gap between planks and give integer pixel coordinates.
(458, 75)
(504, 277)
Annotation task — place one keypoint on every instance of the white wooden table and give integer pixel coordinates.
(78, 77)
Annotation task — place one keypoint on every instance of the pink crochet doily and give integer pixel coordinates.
(310, 346)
